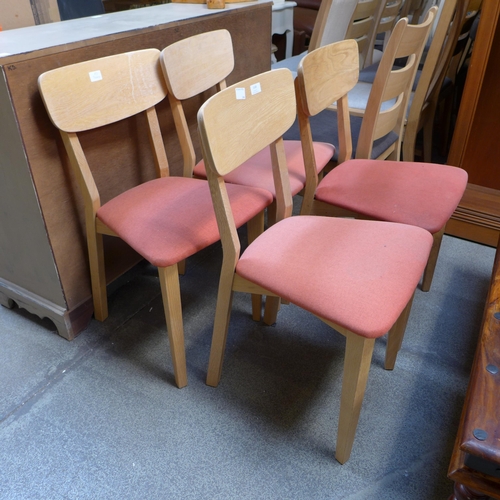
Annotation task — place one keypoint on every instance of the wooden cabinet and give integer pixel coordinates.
(43, 260)
(476, 138)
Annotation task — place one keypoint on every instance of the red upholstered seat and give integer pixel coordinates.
(257, 171)
(421, 194)
(364, 272)
(143, 216)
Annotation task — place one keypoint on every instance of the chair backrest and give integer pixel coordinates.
(388, 15)
(192, 66)
(362, 26)
(99, 92)
(237, 123)
(393, 84)
(437, 60)
(332, 22)
(324, 76)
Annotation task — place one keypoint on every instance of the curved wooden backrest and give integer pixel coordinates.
(197, 63)
(332, 22)
(452, 13)
(387, 17)
(243, 119)
(407, 41)
(94, 93)
(362, 26)
(327, 74)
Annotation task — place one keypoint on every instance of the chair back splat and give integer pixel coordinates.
(322, 264)
(192, 66)
(165, 219)
(188, 71)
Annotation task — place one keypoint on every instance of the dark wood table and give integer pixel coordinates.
(475, 463)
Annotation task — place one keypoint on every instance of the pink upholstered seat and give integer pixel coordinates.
(166, 220)
(421, 194)
(257, 171)
(364, 272)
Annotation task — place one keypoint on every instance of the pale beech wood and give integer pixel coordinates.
(197, 63)
(231, 131)
(323, 76)
(220, 117)
(395, 337)
(171, 294)
(357, 360)
(142, 88)
(190, 67)
(255, 227)
(118, 88)
(405, 41)
(332, 22)
(431, 263)
(362, 26)
(425, 98)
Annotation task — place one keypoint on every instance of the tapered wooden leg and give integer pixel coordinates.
(395, 337)
(170, 289)
(221, 325)
(431, 263)
(97, 275)
(271, 310)
(255, 227)
(357, 362)
(181, 266)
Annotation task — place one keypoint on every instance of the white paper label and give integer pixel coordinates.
(255, 88)
(240, 93)
(95, 76)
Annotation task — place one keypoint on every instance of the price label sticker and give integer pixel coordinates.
(240, 93)
(255, 88)
(95, 76)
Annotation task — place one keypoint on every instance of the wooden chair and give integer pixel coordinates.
(322, 264)
(425, 98)
(421, 194)
(377, 129)
(198, 63)
(388, 16)
(166, 219)
(332, 22)
(363, 26)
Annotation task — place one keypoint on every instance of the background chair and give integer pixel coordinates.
(420, 194)
(196, 64)
(377, 133)
(357, 276)
(332, 22)
(165, 219)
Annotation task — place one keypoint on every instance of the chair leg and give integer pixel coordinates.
(395, 337)
(221, 324)
(171, 293)
(255, 227)
(181, 267)
(431, 263)
(357, 362)
(97, 275)
(271, 310)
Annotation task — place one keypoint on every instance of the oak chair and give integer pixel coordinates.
(332, 22)
(357, 276)
(166, 219)
(377, 129)
(198, 63)
(362, 27)
(420, 194)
